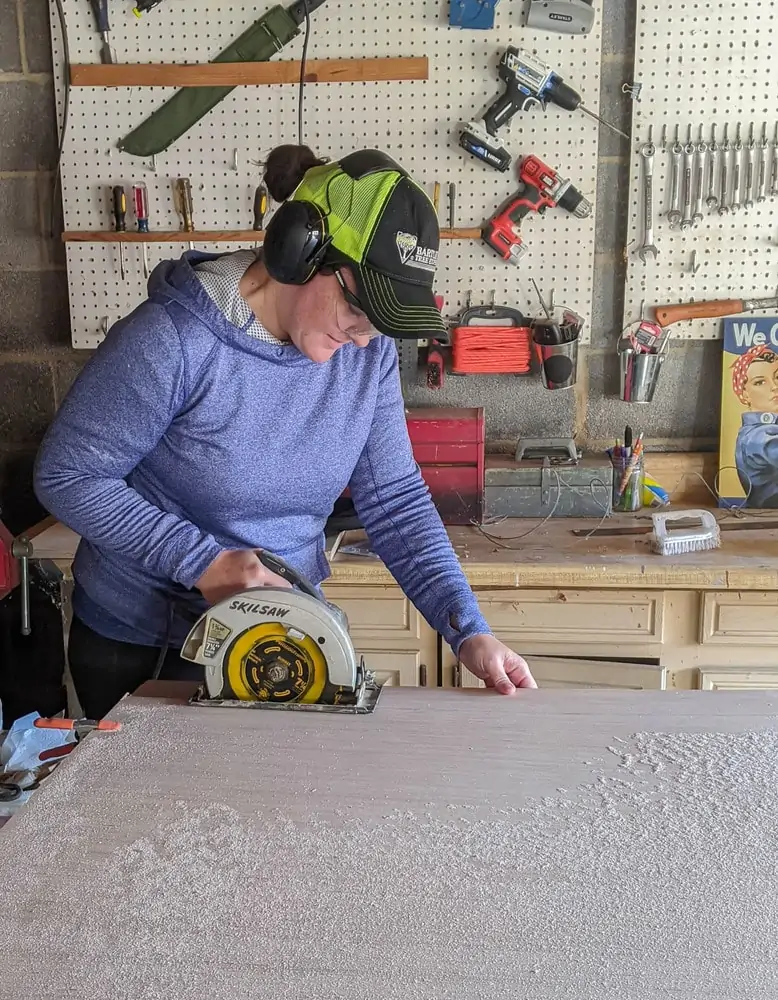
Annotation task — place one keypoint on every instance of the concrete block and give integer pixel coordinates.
(33, 310)
(37, 35)
(686, 404)
(608, 300)
(10, 53)
(618, 28)
(66, 372)
(19, 507)
(26, 402)
(515, 405)
(612, 199)
(27, 126)
(615, 107)
(20, 238)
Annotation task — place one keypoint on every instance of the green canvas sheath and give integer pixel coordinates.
(258, 43)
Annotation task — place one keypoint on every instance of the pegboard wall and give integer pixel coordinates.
(414, 121)
(706, 65)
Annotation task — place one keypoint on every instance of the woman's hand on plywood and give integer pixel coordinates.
(495, 664)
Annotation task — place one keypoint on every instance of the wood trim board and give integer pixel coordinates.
(224, 74)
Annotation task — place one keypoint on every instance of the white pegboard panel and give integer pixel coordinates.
(702, 64)
(414, 121)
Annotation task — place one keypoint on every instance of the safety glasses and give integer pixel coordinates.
(358, 325)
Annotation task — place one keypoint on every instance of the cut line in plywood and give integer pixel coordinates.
(702, 65)
(246, 73)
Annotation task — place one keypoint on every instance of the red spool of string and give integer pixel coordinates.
(491, 350)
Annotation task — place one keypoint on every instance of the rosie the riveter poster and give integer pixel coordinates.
(748, 458)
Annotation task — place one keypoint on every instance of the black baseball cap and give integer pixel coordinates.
(384, 226)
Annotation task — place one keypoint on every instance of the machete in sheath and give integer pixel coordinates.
(259, 43)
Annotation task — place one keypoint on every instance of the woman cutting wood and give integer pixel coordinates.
(232, 409)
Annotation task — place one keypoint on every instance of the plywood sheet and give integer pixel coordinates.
(453, 845)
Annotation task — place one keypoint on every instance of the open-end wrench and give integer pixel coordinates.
(713, 149)
(699, 180)
(674, 215)
(750, 168)
(764, 147)
(737, 171)
(725, 148)
(774, 177)
(688, 181)
(647, 151)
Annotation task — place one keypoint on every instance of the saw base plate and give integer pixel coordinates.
(364, 706)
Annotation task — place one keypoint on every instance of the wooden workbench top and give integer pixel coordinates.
(549, 555)
(451, 846)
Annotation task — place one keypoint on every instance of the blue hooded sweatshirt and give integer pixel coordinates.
(183, 437)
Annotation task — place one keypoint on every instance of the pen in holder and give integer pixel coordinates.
(628, 477)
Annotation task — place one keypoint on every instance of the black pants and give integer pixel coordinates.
(104, 670)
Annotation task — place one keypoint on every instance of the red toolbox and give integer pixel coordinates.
(449, 443)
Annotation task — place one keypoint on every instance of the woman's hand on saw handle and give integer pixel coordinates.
(234, 570)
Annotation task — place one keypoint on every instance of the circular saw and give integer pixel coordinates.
(272, 647)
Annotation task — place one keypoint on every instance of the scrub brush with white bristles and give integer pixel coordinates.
(674, 541)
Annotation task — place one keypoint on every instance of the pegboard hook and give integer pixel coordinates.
(153, 163)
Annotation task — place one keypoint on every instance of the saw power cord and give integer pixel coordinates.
(303, 61)
(65, 114)
(491, 350)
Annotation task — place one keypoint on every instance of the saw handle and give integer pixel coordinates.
(667, 315)
(277, 565)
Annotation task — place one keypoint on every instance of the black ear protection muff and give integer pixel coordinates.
(297, 237)
(295, 242)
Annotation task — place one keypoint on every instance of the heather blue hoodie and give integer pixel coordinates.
(183, 436)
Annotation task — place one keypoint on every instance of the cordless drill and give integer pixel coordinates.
(541, 188)
(529, 83)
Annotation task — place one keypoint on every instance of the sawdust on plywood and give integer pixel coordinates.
(657, 879)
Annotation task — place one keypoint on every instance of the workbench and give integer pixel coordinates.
(603, 612)
(454, 845)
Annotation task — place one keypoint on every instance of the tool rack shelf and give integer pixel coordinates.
(213, 236)
(247, 74)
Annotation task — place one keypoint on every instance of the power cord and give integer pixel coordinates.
(302, 72)
(65, 114)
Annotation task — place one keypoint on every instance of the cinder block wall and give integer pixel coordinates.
(37, 364)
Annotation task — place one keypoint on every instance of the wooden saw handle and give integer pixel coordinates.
(667, 315)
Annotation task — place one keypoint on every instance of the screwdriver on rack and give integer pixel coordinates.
(260, 208)
(140, 197)
(119, 220)
(184, 205)
(100, 10)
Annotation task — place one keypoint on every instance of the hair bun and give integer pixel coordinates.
(286, 167)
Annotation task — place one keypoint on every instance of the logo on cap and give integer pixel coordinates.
(415, 256)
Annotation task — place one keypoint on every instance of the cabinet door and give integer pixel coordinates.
(401, 669)
(382, 617)
(558, 672)
(739, 679)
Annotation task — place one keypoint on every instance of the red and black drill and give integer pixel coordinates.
(541, 188)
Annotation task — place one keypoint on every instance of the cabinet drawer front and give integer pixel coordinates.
(556, 672)
(738, 679)
(401, 668)
(736, 618)
(575, 616)
(377, 615)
